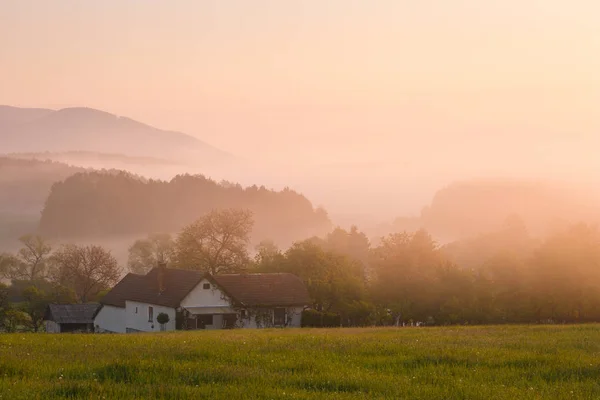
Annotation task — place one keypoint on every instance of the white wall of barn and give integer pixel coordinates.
(110, 319)
(137, 317)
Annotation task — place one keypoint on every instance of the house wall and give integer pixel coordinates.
(211, 299)
(217, 322)
(296, 316)
(293, 317)
(200, 297)
(139, 321)
(110, 319)
(214, 298)
(52, 327)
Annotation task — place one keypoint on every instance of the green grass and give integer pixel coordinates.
(494, 362)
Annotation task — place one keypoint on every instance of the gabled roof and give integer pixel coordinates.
(274, 289)
(71, 313)
(278, 289)
(144, 288)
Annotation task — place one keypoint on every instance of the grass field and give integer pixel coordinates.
(496, 362)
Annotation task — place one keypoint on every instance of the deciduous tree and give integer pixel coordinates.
(216, 243)
(87, 270)
(146, 253)
(4, 304)
(268, 256)
(405, 266)
(15, 320)
(333, 281)
(353, 244)
(30, 263)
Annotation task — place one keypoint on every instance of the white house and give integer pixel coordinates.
(194, 300)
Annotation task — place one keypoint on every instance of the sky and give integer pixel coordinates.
(480, 86)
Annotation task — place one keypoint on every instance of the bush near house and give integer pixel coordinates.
(162, 318)
(320, 319)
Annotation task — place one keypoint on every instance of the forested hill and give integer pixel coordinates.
(98, 204)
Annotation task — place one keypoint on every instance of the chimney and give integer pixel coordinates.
(162, 267)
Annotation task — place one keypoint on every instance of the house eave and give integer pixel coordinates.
(275, 305)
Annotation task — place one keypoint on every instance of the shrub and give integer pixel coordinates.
(318, 319)
(162, 318)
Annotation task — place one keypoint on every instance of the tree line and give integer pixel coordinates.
(404, 278)
(499, 277)
(94, 204)
(41, 275)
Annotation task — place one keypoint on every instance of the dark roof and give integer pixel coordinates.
(247, 289)
(144, 288)
(276, 289)
(71, 313)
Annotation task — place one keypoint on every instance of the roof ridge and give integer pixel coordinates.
(255, 273)
(263, 288)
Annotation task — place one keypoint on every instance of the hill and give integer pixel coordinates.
(468, 208)
(13, 116)
(26, 130)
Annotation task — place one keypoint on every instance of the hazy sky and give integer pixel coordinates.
(465, 81)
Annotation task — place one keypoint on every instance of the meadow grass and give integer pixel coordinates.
(488, 362)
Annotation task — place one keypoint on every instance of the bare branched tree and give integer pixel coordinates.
(30, 263)
(86, 270)
(216, 243)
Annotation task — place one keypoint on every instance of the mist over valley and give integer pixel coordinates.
(46, 147)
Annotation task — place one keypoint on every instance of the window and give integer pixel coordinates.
(206, 286)
(279, 317)
(136, 310)
(150, 314)
(243, 313)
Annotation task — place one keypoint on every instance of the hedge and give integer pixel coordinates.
(318, 319)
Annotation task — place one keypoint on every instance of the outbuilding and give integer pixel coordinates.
(64, 318)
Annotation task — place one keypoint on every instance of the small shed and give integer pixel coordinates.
(61, 318)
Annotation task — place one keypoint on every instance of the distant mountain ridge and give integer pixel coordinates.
(33, 130)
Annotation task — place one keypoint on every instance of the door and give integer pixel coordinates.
(204, 320)
(229, 321)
